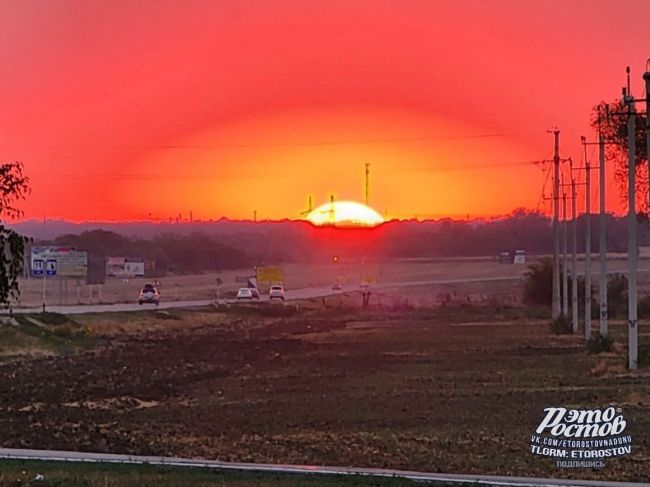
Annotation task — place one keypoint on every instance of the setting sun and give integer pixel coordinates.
(345, 213)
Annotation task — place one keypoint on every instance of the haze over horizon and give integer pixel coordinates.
(123, 111)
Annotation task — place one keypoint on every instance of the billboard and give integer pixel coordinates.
(59, 261)
(124, 267)
(367, 280)
(267, 275)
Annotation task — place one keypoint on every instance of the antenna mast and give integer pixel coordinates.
(367, 181)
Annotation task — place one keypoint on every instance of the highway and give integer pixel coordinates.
(67, 456)
(290, 295)
(296, 294)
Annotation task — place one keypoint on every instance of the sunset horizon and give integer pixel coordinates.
(137, 113)
(325, 243)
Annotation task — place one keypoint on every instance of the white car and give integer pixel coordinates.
(248, 294)
(149, 294)
(276, 292)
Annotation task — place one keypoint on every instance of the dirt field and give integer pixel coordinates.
(456, 390)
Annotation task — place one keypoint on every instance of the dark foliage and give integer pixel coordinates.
(643, 307)
(599, 343)
(561, 326)
(14, 187)
(538, 284)
(616, 295)
(172, 253)
(610, 120)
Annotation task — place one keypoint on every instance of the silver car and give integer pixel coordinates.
(276, 292)
(149, 294)
(248, 294)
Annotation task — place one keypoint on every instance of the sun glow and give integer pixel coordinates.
(345, 214)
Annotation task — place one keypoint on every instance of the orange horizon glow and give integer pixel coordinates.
(126, 111)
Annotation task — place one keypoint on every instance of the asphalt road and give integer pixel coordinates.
(306, 293)
(52, 455)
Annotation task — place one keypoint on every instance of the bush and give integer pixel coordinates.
(538, 284)
(561, 326)
(72, 333)
(617, 295)
(599, 343)
(643, 307)
(643, 357)
(54, 319)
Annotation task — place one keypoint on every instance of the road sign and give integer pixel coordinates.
(125, 267)
(59, 261)
(369, 280)
(50, 267)
(267, 275)
(72, 264)
(38, 267)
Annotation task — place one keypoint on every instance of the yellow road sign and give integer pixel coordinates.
(269, 275)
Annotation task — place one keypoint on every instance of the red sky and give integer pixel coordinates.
(127, 110)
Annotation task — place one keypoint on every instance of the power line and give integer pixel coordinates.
(541, 195)
(185, 176)
(473, 167)
(259, 145)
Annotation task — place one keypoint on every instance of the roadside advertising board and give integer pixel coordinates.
(268, 275)
(124, 267)
(58, 261)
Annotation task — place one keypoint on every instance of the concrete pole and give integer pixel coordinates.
(574, 260)
(587, 246)
(565, 266)
(631, 245)
(602, 245)
(555, 311)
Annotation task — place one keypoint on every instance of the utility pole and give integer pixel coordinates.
(565, 267)
(587, 244)
(574, 260)
(602, 241)
(628, 100)
(555, 311)
(367, 182)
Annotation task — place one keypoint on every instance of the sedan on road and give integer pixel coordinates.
(149, 294)
(276, 292)
(248, 294)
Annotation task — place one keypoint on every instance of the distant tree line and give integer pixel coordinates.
(247, 245)
(185, 254)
